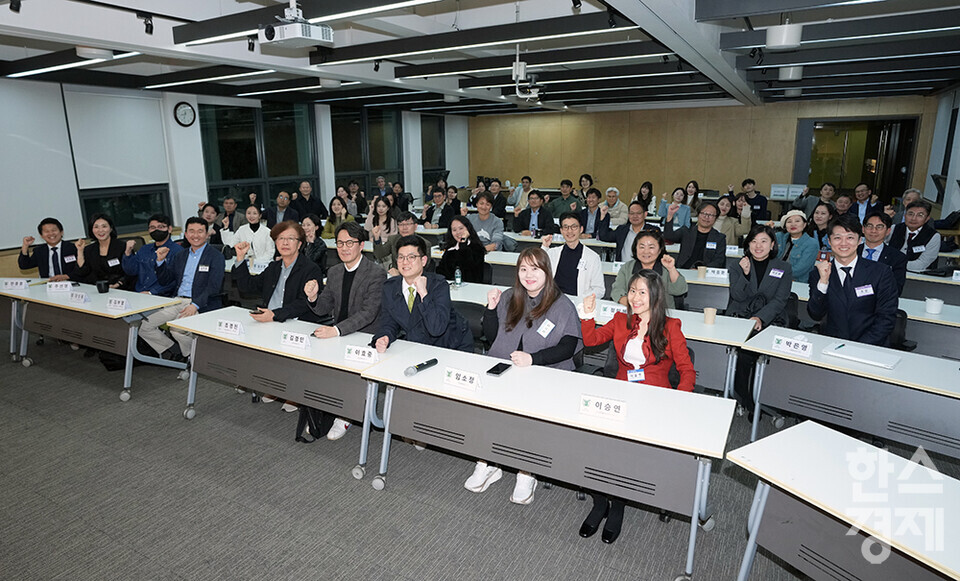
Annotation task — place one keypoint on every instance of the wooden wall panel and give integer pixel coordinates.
(546, 148)
(728, 149)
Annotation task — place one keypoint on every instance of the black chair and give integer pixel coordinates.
(473, 312)
(487, 273)
(673, 375)
(898, 338)
(793, 311)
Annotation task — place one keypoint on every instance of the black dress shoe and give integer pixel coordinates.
(596, 516)
(611, 530)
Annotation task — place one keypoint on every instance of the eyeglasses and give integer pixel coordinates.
(706, 215)
(570, 227)
(880, 226)
(288, 239)
(635, 213)
(407, 257)
(346, 243)
(916, 214)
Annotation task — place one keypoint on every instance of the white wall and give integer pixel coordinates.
(412, 154)
(456, 141)
(37, 178)
(951, 198)
(188, 181)
(328, 187)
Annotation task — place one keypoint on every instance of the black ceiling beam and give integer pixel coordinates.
(853, 69)
(587, 101)
(728, 9)
(859, 52)
(853, 29)
(662, 83)
(81, 76)
(905, 79)
(653, 69)
(51, 59)
(623, 49)
(819, 96)
(194, 74)
(630, 93)
(341, 93)
(253, 19)
(595, 21)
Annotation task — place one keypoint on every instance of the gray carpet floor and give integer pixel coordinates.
(94, 488)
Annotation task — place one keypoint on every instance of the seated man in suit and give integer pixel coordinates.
(875, 229)
(440, 213)
(350, 300)
(237, 219)
(700, 246)
(282, 212)
(304, 202)
(417, 303)
(594, 218)
(386, 253)
(625, 234)
(403, 199)
(858, 297)
(197, 275)
(499, 199)
(54, 259)
(535, 219)
(143, 264)
(576, 268)
(916, 238)
(863, 205)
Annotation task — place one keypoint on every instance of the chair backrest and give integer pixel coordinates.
(898, 337)
(793, 311)
(487, 273)
(473, 313)
(673, 375)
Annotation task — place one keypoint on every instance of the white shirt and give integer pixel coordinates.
(50, 257)
(822, 287)
(633, 352)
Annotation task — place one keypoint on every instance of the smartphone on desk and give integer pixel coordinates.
(498, 369)
(256, 310)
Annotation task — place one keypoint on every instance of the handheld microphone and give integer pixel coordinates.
(413, 369)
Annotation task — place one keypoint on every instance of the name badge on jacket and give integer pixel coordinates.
(776, 273)
(545, 328)
(711, 245)
(635, 375)
(919, 248)
(582, 264)
(203, 268)
(70, 258)
(113, 262)
(865, 290)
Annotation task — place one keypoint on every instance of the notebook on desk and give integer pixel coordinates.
(861, 355)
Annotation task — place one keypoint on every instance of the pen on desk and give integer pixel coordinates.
(838, 347)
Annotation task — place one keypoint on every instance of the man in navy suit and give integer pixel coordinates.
(875, 229)
(54, 259)
(198, 278)
(283, 212)
(863, 206)
(535, 217)
(625, 234)
(418, 303)
(858, 297)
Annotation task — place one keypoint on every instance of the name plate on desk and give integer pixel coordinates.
(733, 250)
(461, 379)
(359, 353)
(59, 287)
(617, 265)
(792, 346)
(608, 311)
(603, 407)
(117, 304)
(21, 284)
(717, 273)
(258, 267)
(295, 340)
(956, 275)
(79, 297)
(229, 327)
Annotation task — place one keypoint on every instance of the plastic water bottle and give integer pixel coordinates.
(457, 278)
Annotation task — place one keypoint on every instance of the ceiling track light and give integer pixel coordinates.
(376, 66)
(15, 6)
(576, 4)
(611, 21)
(251, 43)
(147, 21)
(759, 56)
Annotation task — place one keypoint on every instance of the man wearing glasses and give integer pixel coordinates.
(916, 238)
(351, 298)
(875, 230)
(702, 246)
(386, 253)
(576, 268)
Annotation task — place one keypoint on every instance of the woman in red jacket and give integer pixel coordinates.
(647, 343)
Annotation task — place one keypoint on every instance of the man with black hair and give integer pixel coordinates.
(700, 246)
(237, 219)
(916, 238)
(757, 201)
(875, 230)
(143, 264)
(54, 259)
(305, 201)
(499, 200)
(282, 212)
(565, 202)
(576, 268)
(863, 205)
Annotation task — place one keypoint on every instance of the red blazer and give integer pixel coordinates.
(654, 373)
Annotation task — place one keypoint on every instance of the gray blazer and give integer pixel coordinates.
(363, 308)
(765, 299)
(238, 220)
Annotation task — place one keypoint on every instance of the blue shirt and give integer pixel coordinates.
(142, 263)
(189, 271)
(591, 221)
(534, 220)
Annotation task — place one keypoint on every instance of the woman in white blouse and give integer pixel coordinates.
(262, 248)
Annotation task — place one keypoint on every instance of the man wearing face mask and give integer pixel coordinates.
(143, 263)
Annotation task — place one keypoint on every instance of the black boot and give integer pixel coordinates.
(611, 530)
(596, 516)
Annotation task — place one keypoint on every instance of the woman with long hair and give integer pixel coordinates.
(462, 248)
(646, 197)
(730, 222)
(313, 246)
(380, 222)
(692, 190)
(678, 198)
(647, 343)
(338, 215)
(102, 259)
(531, 323)
(823, 214)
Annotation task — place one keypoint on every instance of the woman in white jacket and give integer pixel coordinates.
(576, 268)
(262, 248)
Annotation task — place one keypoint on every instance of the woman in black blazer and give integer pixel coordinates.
(462, 248)
(101, 261)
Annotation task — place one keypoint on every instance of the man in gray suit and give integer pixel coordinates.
(237, 219)
(351, 296)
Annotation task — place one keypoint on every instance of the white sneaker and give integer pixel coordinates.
(338, 429)
(267, 398)
(483, 476)
(289, 407)
(419, 446)
(523, 491)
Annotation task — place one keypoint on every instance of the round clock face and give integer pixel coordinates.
(185, 114)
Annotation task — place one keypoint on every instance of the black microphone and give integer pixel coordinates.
(413, 369)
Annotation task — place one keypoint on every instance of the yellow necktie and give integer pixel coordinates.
(411, 292)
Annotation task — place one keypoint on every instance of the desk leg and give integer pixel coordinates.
(753, 526)
(13, 329)
(699, 505)
(146, 358)
(731, 371)
(190, 412)
(128, 363)
(24, 337)
(369, 420)
(379, 481)
(757, 383)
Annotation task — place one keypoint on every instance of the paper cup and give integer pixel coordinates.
(709, 316)
(934, 306)
(702, 273)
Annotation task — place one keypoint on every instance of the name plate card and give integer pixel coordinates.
(363, 354)
(797, 347)
(462, 379)
(21, 284)
(116, 304)
(956, 275)
(229, 327)
(607, 311)
(295, 340)
(733, 250)
(79, 297)
(603, 407)
(59, 287)
(717, 273)
(258, 267)
(617, 265)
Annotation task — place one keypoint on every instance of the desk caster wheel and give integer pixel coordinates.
(189, 413)
(26, 362)
(683, 577)
(183, 375)
(664, 516)
(778, 422)
(581, 495)
(379, 482)
(547, 485)
(708, 524)
(358, 471)
(254, 398)
(125, 395)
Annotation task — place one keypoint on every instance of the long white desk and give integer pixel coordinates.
(530, 419)
(921, 286)
(91, 324)
(917, 402)
(319, 376)
(836, 508)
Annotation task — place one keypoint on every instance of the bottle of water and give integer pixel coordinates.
(457, 278)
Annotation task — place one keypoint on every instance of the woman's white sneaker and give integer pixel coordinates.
(338, 429)
(523, 491)
(483, 476)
